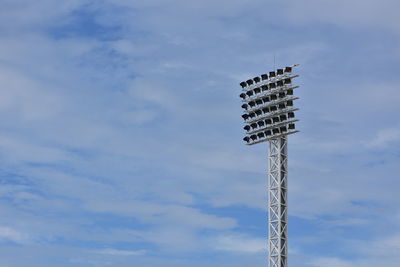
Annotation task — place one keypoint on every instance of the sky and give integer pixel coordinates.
(121, 132)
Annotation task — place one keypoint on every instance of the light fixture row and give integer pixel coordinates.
(268, 111)
(270, 134)
(270, 100)
(266, 87)
(273, 75)
(270, 122)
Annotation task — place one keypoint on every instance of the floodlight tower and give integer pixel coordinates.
(269, 116)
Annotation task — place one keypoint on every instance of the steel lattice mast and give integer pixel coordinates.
(269, 116)
(278, 245)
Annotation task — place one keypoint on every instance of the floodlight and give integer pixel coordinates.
(269, 115)
(265, 99)
(265, 110)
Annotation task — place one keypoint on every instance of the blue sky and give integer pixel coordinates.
(121, 136)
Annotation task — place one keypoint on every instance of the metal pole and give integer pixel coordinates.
(278, 238)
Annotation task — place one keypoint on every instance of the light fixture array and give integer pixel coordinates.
(268, 103)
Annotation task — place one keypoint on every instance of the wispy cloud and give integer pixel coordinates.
(331, 262)
(119, 252)
(121, 130)
(385, 137)
(241, 243)
(8, 234)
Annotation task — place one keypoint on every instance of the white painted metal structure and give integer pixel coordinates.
(269, 116)
(278, 213)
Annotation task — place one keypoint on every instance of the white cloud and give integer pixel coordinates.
(13, 235)
(143, 91)
(240, 243)
(119, 252)
(187, 217)
(27, 99)
(384, 138)
(331, 262)
(349, 14)
(82, 109)
(385, 248)
(27, 15)
(382, 251)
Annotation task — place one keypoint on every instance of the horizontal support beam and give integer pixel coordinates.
(272, 137)
(270, 115)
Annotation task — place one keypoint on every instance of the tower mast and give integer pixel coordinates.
(269, 116)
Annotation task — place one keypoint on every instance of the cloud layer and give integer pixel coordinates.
(120, 142)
